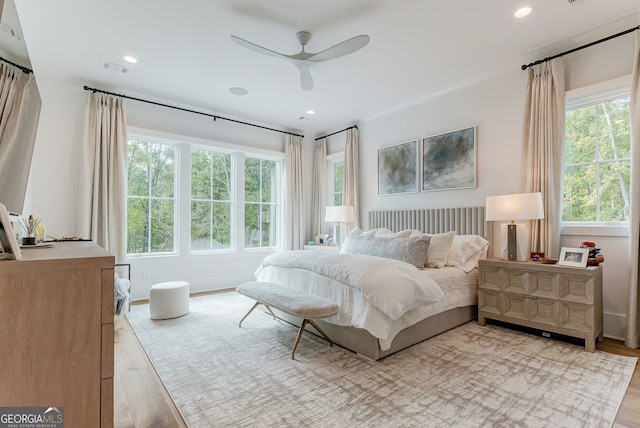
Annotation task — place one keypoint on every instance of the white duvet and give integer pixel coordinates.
(392, 286)
(408, 290)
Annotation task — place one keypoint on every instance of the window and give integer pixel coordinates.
(151, 203)
(198, 199)
(597, 162)
(211, 180)
(260, 202)
(335, 171)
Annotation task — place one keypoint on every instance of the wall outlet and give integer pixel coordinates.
(146, 274)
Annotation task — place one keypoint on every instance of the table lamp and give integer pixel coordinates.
(513, 236)
(338, 215)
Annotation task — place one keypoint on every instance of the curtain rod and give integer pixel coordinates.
(540, 61)
(337, 132)
(24, 69)
(215, 117)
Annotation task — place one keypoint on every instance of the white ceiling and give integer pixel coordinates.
(418, 48)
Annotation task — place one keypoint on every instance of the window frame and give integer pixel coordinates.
(332, 161)
(581, 97)
(232, 198)
(176, 172)
(182, 222)
(279, 196)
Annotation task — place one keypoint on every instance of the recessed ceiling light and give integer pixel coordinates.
(311, 112)
(522, 12)
(131, 59)
(236, 90)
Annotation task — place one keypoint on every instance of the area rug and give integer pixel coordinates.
(221, 375)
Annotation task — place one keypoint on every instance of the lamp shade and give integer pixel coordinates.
(339, 214)
(516, 206)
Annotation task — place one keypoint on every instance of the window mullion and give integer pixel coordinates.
(238, 201)
(597, 129)
(149, 193)
(260, 218)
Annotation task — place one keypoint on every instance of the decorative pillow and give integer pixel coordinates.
(391, 234)
(357, 232)
(466, 250)
(411, 250)
(438, 248)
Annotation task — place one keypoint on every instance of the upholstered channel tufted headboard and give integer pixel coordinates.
(465, 221)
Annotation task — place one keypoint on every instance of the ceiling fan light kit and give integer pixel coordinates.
(302, 60)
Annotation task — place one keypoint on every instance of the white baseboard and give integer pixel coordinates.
(615, 325)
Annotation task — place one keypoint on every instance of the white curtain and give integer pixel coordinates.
(319, 191)
(632, 338)
(350, 191)
(15, 88)
(294, 218)
(102, 211)
(543, 150)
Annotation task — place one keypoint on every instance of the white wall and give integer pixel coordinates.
(495, 106)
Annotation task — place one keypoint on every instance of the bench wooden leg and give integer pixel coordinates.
(317, 327)
(301, 330)
(248, 313)
(270, 311)
(251, 310)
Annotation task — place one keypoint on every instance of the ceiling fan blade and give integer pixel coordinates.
(259, 49)
(306, 81)
(341, 49)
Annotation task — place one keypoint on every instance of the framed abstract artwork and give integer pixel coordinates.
(449, 160)
(398, 169)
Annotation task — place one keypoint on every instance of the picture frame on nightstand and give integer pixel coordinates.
(576, 257)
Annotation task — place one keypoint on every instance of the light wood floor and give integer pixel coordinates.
(142, 401)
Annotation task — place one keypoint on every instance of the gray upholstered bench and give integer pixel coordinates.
(293, 302)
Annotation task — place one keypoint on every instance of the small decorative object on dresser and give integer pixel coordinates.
(576, 257)
(9, 248)
(558, 299)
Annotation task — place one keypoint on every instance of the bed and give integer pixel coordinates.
(373, 328)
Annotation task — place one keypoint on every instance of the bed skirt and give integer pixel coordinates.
(363, 343)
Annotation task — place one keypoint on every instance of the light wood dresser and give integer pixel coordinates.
(56, 332)
(552, 298)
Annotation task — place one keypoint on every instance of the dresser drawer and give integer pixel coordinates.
(572, 287)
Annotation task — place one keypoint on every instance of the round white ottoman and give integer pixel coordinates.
(169, 300)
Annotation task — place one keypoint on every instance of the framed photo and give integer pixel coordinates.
(449, 160)
(8, 242)
(576, 257)
(398, 169)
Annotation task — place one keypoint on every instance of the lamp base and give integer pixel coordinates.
(513, 242)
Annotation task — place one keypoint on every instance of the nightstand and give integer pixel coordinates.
(559, 299)
(332, 248)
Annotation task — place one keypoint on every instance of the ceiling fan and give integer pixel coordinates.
(303, 60)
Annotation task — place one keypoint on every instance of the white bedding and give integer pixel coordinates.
(328, 274)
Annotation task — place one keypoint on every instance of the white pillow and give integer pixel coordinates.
(355, 232)
(438, 248)
(466, 250)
